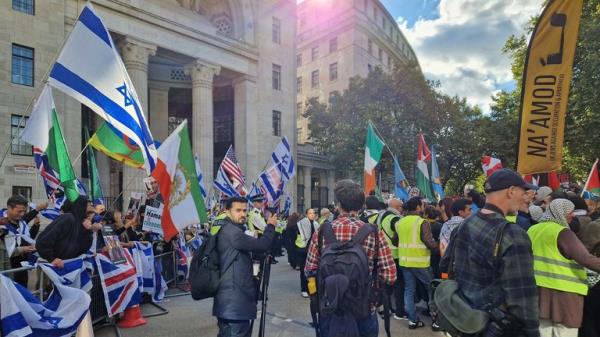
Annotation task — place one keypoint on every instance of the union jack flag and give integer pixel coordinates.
(119, 283)
(232, 168)
(49, 175)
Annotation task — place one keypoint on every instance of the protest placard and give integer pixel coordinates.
(152, 217)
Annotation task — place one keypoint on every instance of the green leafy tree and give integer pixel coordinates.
(400, 104)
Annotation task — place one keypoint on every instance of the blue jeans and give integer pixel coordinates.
(411, 277)
(368, 327)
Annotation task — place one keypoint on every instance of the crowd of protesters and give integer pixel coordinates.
(547, 244)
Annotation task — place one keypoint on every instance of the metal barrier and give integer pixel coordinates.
(98, 312)
(100, 318)
(40, 287)
(168, 262)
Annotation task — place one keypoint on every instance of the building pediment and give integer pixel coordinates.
(217, 12)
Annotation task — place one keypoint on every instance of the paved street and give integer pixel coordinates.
(288, 314)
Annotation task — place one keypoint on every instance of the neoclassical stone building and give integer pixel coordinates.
(227, 66)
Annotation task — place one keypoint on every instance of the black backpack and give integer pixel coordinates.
(346, 260)
(205, 270)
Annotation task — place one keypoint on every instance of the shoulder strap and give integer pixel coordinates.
(380, 217)
(362, 233)
(498, 242)
(327, 233)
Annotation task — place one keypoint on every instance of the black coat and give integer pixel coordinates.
(237, 295)
(65, 237)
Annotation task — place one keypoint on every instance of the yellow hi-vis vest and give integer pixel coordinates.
(251, 226)
(385, 224)
(552, 270)
(214, 229)
(412, 252)
(299, 238)
(511, 218)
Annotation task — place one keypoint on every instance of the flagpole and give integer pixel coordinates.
(40, 87)
(379, 134)
(80, 154)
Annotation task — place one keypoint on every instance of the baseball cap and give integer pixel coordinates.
(542, 193)
(505, 178)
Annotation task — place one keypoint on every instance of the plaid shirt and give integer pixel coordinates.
(514, 288)
(344, 228)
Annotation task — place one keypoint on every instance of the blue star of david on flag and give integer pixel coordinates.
(127, 97)
(283, 159)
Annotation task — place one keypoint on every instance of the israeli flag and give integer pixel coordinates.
(151, 280)
(23, 314)
(283, 158)
(15, 236)
(90, 70)
(223, 184)
(52, 212)
(273, 181)
(74, 274)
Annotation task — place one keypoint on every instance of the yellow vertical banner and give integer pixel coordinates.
(545, 92)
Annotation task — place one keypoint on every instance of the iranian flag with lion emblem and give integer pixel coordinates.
(176, 175)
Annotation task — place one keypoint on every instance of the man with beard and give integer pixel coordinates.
(235, 302)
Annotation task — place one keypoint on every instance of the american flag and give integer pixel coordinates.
(234, 171)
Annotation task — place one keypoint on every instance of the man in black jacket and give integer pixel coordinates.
(69, 235)
(235, 302)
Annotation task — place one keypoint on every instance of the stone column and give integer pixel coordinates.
(246, 124)
(158, 114)
(330, 186)
(136, 56)
(202, 74)
(307, 171)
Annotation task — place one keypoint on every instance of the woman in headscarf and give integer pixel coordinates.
(69, 235)
(559, 258)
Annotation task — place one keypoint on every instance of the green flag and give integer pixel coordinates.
(58, 157)
(114, 144)
(44, 133)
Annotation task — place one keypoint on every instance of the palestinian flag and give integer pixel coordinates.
(117, 146)
(422, 174)
(592, 186)
(373, 150)
(44, 133)
(177, 178)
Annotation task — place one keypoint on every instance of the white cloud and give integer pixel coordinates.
(463, 47)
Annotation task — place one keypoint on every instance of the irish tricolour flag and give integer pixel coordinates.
(373, 151)
(176, 175)
(44, 133)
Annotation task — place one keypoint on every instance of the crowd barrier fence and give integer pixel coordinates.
(98, 312)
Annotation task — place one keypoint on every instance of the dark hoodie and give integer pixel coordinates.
(65, 237)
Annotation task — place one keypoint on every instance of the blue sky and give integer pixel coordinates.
(412, 10)
(459, 42)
